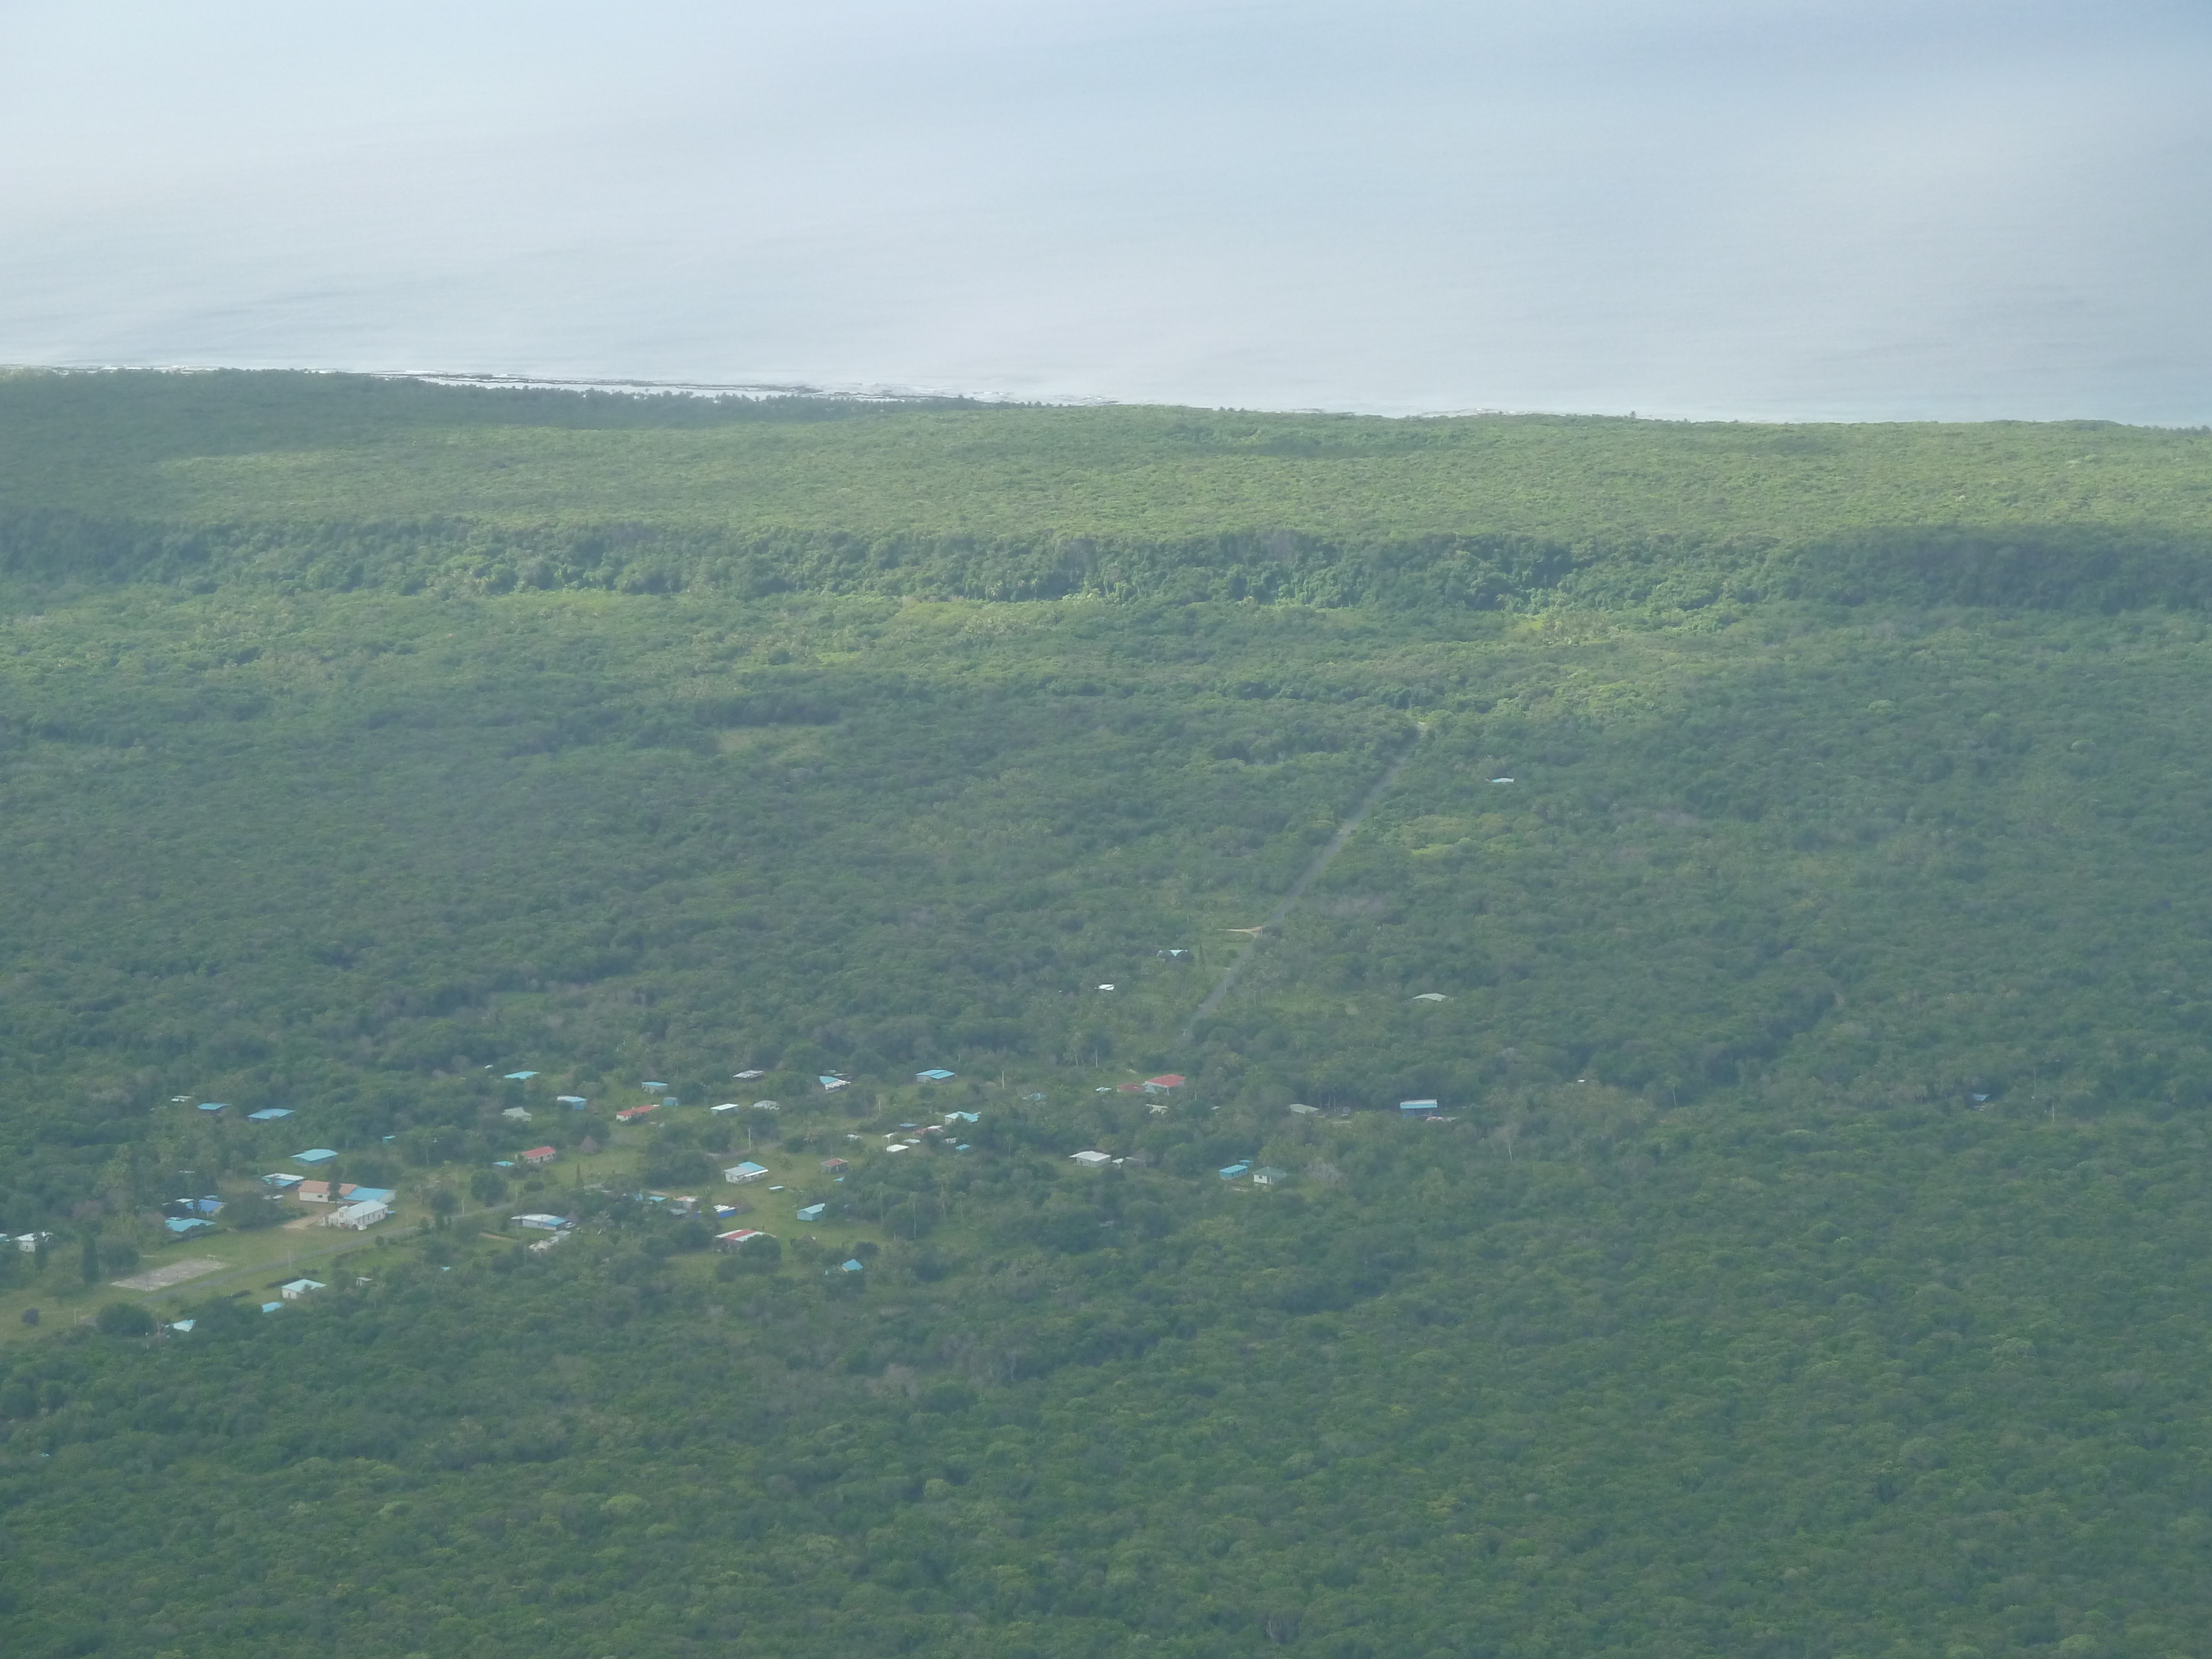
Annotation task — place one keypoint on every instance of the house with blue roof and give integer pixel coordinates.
(740, 1174)
(183, 1228)
(934, 1074)
(269, 1115)
(812, 1213)
(521, 1077)
(1417, 1105)
(1232, 1171)
(214, 1106)
(314, 1155)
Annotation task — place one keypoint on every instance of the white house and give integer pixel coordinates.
(1091, 1160)
(358, 1218)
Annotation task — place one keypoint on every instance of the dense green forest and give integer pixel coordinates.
(1794, 895)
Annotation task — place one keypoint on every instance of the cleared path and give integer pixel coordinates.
(1336, 844)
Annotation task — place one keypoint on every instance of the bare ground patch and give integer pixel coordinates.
(174, 1273)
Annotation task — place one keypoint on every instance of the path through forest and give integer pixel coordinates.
(1336, 844)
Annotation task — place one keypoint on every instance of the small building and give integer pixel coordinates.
(1165, 1080)
(1232, 1171)
(313, 1155)
(269, 1115)
(1130, 1088)
(537, 1156)
(766, 1106)
(812, 1213)
(299, 1287)
(544, 1224)
(934, 1074)
(29, 1242)
(183, 1227)
(283, 1183)
(370, 1194)
(520, 1114)
(631, 1114)
(319, 1192)
(829, 1166)
(656, 1087)
(1091, 1160)
(521, 1077)
(1417, 1106)
(213, 1106)
(271, 1307)
(1433, 996)
(1303, 1110)
(727, 1106)
(737, 1235)
(1266, 1175)
(744, 1174)
(358, 1218)
(962, 1117)
(852, 1266)
(748, 1075)
(573, 1103)
(831, 1085)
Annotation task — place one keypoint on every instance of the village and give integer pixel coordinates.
(260, 1243)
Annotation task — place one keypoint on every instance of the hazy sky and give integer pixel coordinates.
(1756, 208)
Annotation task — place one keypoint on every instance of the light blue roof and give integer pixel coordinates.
(577, 1101)
(269, 1115)
(370, 1195)
(934, 1074)
(183, 1325)
(825, 1081)
(1233, 1170)
(213, 1106)
(962, 1117)
(272, 1307)
(314, 1155)
(652, 1085)
(521, 1077)
(281, 1180)
(182, 1227)
(1417, 1105)
(853, 1267)
(812, 1213)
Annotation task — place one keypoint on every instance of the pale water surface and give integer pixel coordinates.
(1951, 208)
